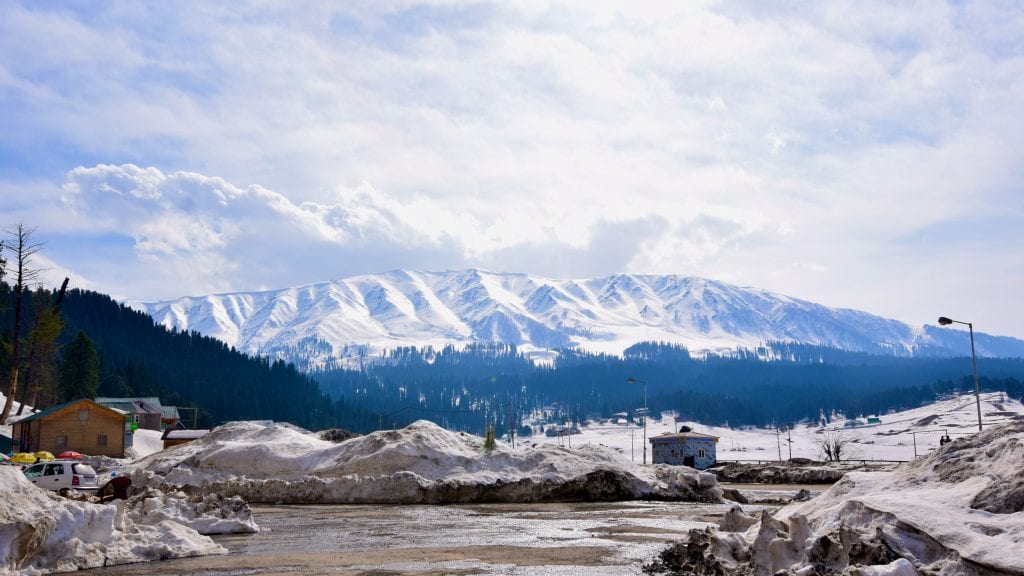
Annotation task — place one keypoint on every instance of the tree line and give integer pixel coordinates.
(493, 383)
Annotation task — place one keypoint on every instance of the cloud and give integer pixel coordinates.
(795, 147)
(187, 229)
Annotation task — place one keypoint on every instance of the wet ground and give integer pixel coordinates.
(511, 539)
(586, 539)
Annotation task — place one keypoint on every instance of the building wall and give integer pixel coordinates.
(675, 451)
(81, 425)
(148, 421)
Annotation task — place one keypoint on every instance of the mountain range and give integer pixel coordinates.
(361, 316)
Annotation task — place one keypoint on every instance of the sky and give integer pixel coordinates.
(863, 155)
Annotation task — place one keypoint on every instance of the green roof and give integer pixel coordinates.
(128, 404)
(56, 408)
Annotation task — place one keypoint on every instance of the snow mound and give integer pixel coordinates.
(204, 513)
(957, 511)
(41, 532)
(422, 463)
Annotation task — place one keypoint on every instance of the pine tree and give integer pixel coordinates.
(40, 377)
(80, 371)
(489, 439)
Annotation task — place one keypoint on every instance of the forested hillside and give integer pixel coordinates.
(122, 352)
(138, 358)
(494, 383)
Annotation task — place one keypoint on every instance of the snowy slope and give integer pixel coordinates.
(366, 314)
(899, 436)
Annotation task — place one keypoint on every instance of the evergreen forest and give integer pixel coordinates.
(97, 346)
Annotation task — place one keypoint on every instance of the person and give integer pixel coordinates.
(120, 485)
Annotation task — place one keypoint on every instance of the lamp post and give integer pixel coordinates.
(632, 380)
(943, 321)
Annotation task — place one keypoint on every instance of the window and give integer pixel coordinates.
(54, 470)
(135, 418)
(62, 442)
(101, 440)
(83, 415)
(34, 471)
(702, 453)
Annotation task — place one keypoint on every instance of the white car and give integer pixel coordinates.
(60, 474)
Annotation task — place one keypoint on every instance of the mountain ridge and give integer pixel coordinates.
(367, 314)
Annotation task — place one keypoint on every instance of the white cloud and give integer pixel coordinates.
(793, 147)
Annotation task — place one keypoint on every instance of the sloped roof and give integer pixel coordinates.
(682, 436)
(60, 407)
(177, 434)
(170, 412)
(150, 405)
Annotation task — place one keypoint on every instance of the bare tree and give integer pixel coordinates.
(834, 446)
(22, 249)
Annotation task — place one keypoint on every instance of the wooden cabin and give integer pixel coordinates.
(81, 425)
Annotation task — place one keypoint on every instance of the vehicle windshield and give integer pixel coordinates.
(33, 471)
(83, 469)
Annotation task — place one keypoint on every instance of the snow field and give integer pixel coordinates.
(893, 439)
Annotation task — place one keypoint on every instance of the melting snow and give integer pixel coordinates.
(422, 463)
(41, 532)
(959, 509)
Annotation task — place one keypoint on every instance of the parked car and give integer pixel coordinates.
(59, 474)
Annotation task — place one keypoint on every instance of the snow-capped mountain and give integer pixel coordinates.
(367, 314)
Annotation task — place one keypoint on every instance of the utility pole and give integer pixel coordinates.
(632, 380)
(789, 438)
(778, 441)
(511, 426)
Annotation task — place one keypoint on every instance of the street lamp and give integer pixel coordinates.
(943, 321)
(632, 380)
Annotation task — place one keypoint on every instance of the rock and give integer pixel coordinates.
(802, 495)
(734, 495)
(337, 435)
(736, 520)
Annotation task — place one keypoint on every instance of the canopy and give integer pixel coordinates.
(69, 455)
(24, 458)
(44, 455)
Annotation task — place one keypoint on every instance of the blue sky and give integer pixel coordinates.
(857, 154)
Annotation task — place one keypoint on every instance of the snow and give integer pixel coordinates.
(958, 509)
(422, 463)
(146, 442)
(893, 439)
(41, 532)
(204, 513)
(608, 314)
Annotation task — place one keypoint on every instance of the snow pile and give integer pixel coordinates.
(422, 463)
(41, 532)
(204, 513)
(958, 511)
